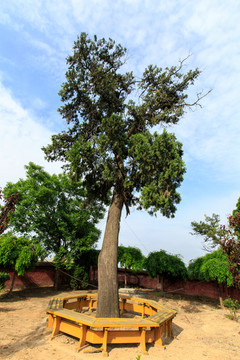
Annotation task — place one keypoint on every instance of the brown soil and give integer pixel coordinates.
(201, 331)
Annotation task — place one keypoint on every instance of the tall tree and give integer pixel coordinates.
(111, 142)
(6, 210)
(53, 210)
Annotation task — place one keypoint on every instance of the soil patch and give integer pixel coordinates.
(201, 330)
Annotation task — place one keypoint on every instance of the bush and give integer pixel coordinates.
(233, 306)
(163, 264)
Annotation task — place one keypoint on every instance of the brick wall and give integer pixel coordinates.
(196, 288)
(44, 273)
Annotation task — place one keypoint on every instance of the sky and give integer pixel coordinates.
(38, 35)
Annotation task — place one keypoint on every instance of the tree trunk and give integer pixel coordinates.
(12, 284)
(162, 284)
(107, 305)
(220, 295)
(56, 279)
(125, 278)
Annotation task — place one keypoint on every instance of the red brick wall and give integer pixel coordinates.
(142, 279)
(42, 275)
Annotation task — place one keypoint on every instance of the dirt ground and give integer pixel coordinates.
(201, 331)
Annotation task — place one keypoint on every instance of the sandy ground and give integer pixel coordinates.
(201, 331)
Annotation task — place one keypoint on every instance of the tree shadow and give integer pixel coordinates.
(39, 292)
(2, 309)
(33, 339)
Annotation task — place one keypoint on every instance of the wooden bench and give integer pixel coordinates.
(89, 329)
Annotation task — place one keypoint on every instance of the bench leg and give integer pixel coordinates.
(157, 336)
(56, 326)
(143, 341)
(82, 337)
(104, 344)
(169, 331)
(50, 322)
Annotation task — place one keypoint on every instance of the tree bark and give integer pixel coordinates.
(220, 295)
(13, 282)
(56, 279)
(108, 303)
(125, 278)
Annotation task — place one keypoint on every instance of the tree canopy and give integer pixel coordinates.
(109, 142)
(130, 258)
(227, 237)
(164, 264)
(112, 142)
(210, 230)
(18, 254)
(211, 267)
(53, 210)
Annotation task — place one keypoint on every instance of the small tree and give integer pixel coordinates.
(231, 246)
(210, 230)
(212, 267)
(53, 210)
(130, 258)
(6, 210)
(18, 254)
(160, 263)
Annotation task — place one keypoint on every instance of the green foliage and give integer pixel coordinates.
(210, 230)
(109, 142)
(194, 268)
(77, 265)
(54, 211)
(3, 278)
(18, 253)
(80, 278)
(211, 267)
(233, 306)
(164, 264)
(130, 258)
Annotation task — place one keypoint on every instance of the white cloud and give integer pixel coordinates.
(158, 32)
(21, 139)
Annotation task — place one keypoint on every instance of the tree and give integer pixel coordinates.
(111, 142)
(228, 237)
(210, 230)
(212, 267)
(6, 210)
(18, 254)
(53, 210)
(130, 258)
(231, 245)
(160, 263)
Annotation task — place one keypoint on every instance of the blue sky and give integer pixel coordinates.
(38, 35)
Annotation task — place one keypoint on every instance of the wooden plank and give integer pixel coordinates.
(161, 317)
(73, 316)
(119, 322)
